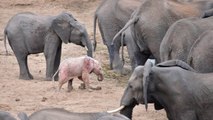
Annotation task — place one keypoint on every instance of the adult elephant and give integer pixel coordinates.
(152, 19)
(200, 56)
(112, 15)
(180, 37)
(173, 86)
(29, 33)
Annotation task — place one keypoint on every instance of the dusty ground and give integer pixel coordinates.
(29, 96)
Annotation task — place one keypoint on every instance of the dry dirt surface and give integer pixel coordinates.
(29, 96)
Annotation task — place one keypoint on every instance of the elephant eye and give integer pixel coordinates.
(130, 86)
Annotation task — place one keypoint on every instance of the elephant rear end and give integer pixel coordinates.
(24, 29)
(200, 56)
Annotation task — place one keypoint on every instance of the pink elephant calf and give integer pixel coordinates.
(79, 67)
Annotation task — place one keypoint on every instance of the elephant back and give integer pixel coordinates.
(176, 63)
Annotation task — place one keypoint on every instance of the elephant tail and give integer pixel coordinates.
(5, 41)
(130, 22)
(53, 78)
(192, 49)
(190, 55)
(94, 30)
(122, 48)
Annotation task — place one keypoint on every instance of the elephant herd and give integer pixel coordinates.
(176, 33)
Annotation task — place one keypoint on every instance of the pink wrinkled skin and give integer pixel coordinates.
(79, 67)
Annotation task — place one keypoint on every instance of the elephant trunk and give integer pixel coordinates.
(127, 111)
(89, 45)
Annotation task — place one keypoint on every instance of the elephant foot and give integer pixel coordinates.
(96, 88)
(26, 77)
(70, 89)
(119, 71)
(122, 71)
(48, 79)
(82, 86)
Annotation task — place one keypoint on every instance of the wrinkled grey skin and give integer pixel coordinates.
(173, 86)
(61, 114)
(112, 15)
(180, 37)
(152, 19)
(29, 33)
(200, 56)
(6, 116)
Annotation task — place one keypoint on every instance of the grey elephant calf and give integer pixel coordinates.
(61, 114)
(79, 67)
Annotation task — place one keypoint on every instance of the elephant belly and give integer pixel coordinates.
(34, 44)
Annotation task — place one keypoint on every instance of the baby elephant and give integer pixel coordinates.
(61, 114)
(79, 67)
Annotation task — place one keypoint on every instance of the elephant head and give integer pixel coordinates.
(69, 30)
(97, 69)
(137, 89)
(92, 65)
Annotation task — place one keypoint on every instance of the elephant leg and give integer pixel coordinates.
(141, 57)
(24, 70)
(82, 86)
(62, 81)
(85, 79)
(131, 57)
(117, 64)
(70, 87)
(115, 61)
(131, 49)
(57, 62)
(52, 54)
(110, 51)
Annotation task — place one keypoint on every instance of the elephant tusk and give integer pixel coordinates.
(86, 48)
(116, 110)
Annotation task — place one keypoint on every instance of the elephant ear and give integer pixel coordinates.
(146, 78)
(88, 64)
(62, 27)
